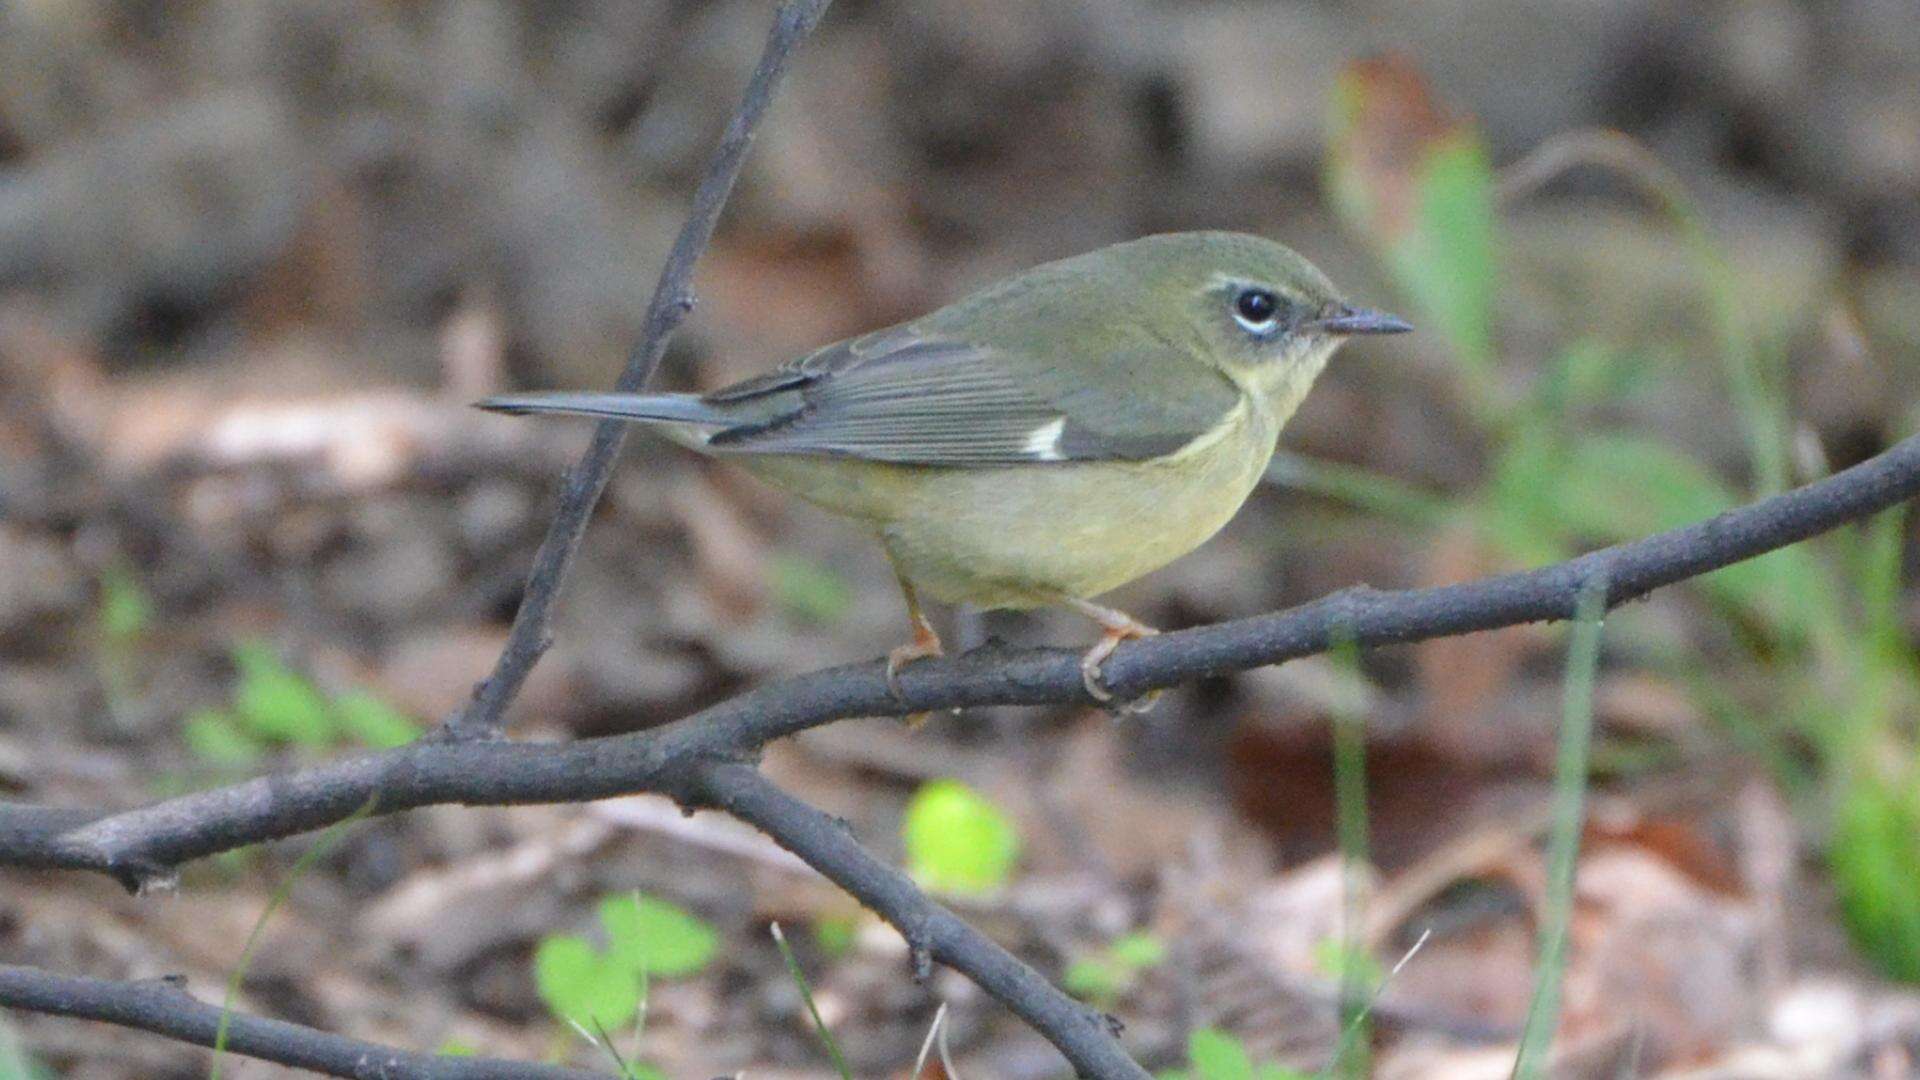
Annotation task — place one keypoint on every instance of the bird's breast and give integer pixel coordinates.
(1028, 536)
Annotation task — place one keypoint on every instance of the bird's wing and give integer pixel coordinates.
(905, 396)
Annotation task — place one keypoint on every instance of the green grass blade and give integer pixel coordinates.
(321, 848)
(806, 995)
(1563, 844)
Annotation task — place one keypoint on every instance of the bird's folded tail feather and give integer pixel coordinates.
(659, 408)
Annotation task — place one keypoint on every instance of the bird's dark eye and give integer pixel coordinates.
(1256, 310)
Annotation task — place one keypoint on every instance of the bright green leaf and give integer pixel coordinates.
(1138, 951)
(276, 703)
(456, 1048)
(214, 737)
(580, 984)
(1216, 1055)
(957, 841)
(649, 935)
(373, 722)
(1446, 264)
(1095, 979)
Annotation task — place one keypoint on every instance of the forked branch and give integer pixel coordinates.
(704, 761)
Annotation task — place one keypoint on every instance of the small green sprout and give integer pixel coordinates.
(958, 842)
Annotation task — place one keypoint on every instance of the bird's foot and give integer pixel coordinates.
(1115, 627)
(925, 643)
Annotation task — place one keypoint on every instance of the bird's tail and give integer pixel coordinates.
(658, 408)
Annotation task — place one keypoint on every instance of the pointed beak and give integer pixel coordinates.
(1344, 320)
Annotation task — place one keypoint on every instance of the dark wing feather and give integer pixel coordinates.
(899, 396)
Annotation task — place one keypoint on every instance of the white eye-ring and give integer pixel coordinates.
(1258, 311)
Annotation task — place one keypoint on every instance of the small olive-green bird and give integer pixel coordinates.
(1046, 439)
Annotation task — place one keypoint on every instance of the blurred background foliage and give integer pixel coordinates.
(255, 256)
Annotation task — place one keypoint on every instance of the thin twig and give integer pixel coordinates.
(672, 299)
(163, 1007)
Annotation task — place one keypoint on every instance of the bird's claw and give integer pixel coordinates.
(920, 648)
(1092, 678)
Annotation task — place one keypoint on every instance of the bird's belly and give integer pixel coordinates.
(1030, 536)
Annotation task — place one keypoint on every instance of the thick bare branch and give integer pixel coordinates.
(156, 838)
(163, 1007)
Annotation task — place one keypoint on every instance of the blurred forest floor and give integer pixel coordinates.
(257, 257)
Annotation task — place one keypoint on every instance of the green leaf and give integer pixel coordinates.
(957, 841)
(650, 936)
(1417, 182)
(373, 722)
(1216, 1055)
(275, 703)
(1446, 264)
(1094, 979)
(1106, 975)
(807, 590)
(455, 1048)
(580, 984)
(1138, 951)
(214, 737)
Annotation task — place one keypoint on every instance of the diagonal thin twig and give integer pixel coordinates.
(529, 638)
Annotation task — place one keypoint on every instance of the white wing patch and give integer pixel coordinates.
(1044, 443)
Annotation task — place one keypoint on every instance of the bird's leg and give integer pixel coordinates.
(925, 643)
(1115, 627)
